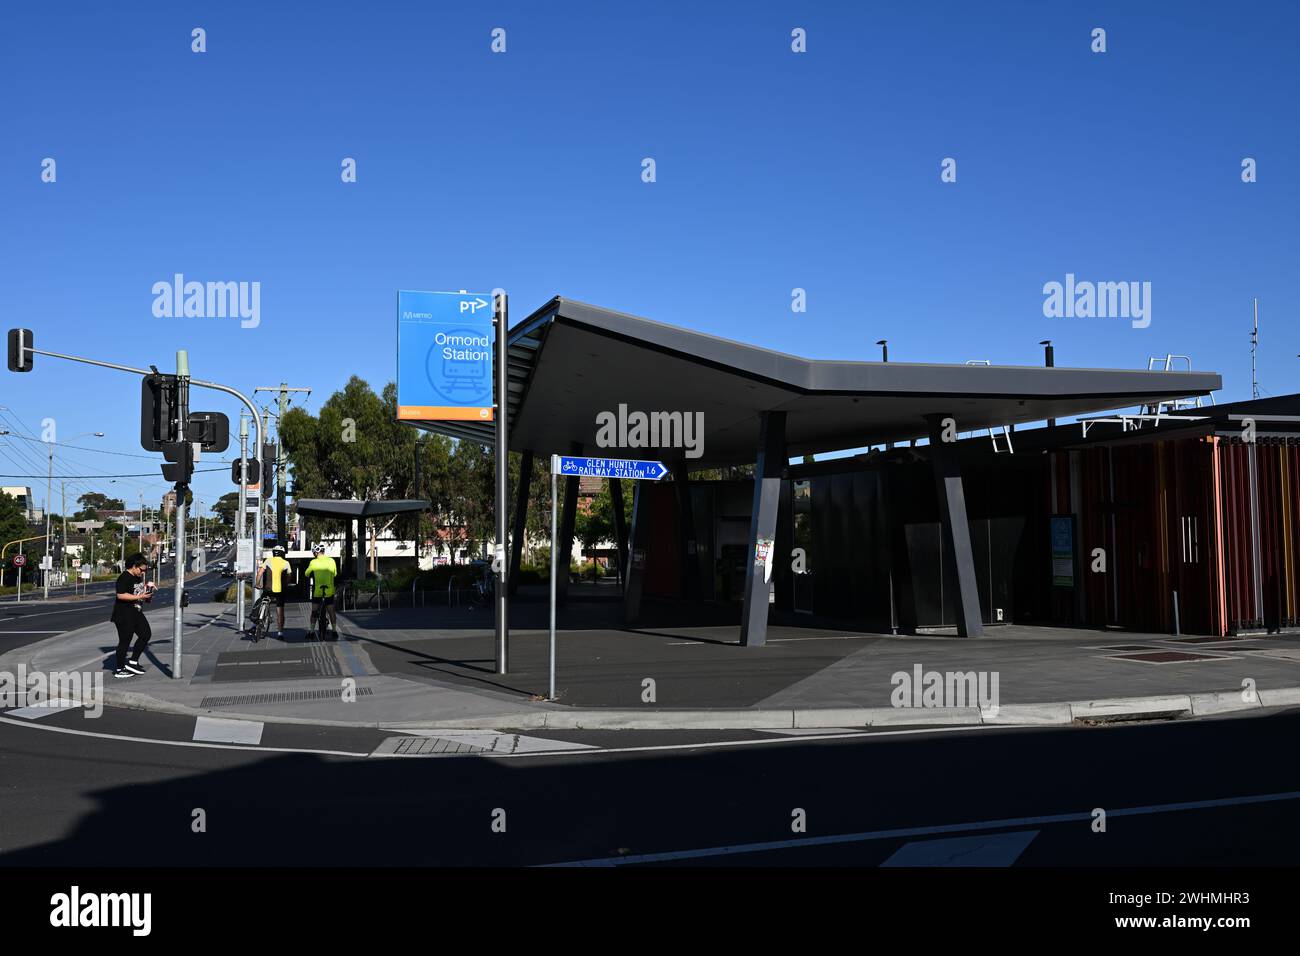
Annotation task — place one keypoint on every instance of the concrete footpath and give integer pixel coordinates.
(414, 668)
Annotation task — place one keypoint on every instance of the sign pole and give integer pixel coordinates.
(555, 544)
(503, 471)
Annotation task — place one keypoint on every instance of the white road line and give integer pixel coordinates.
(182, 743)
(31, 632)
(771, 741)
(223, 730)
(37, 711)
(988, 849)
(926, 830)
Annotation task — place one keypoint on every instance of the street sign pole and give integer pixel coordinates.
(574, 467)
(555, 546)
(502, 310)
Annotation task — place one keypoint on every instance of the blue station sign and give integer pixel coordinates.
(444, 356)
(609, 468)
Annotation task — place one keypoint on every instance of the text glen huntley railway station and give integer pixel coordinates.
(999, 526)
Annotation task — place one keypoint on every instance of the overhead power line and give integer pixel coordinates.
(147, 474)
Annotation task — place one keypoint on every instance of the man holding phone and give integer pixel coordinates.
(132, 592)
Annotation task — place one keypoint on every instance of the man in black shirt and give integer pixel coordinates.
(133, 590)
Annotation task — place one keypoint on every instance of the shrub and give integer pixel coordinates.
(229, 595)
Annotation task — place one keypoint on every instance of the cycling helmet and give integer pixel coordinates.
(318, 548)
(278, 551)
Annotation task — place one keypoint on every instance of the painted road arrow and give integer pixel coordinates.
(608, 468)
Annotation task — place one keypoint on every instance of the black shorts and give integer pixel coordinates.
(278, 598)
(323, 601)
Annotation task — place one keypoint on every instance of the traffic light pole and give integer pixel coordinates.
(27, 350)
(241, 513)
(178, 599)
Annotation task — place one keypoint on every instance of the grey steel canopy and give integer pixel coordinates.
(351, 508)
(569, 361)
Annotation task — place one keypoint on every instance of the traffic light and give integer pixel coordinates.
(20, 344)
(158, 402)
(253, 466)
(181, 454)
(209, 429)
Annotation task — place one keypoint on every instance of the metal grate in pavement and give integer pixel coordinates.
(1170, 657)
(427, 747)
(280, 698)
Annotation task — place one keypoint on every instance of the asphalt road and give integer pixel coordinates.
(1015, 797)
(30, 620)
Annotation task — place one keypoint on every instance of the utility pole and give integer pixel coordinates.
(1254, 348)
(63, 510)
(283, 406)
(49, 480)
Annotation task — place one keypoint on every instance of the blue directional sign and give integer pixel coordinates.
(444, 356)
(610, 468)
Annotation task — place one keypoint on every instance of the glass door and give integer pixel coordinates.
(801, 504)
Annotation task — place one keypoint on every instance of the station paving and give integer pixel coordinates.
(407, 667)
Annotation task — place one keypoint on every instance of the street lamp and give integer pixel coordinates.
(49, 487)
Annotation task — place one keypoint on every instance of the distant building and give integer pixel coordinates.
(23, 495)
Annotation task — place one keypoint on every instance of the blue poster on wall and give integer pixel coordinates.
(1063, 551)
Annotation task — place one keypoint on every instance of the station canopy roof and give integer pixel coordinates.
(352, 508)
(569, 362)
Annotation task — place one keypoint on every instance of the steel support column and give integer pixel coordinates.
(620, 527)
(568, 517)
(768, 470)
(638, 546)
(959, 562)
(521, 521)
(686, 534)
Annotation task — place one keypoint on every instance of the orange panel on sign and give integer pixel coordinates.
(444, 413)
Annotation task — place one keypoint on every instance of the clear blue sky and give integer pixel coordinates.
(523, 170)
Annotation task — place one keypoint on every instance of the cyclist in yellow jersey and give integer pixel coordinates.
(279, 571)
(321, 572)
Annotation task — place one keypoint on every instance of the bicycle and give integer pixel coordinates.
(320, 627)
(260, 617)
(483, 590)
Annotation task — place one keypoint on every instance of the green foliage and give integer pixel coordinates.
(93, 501)
(596, 523)
(225, 508)
(229, 595)
(13, 523)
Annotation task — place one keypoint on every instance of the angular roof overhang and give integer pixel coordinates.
(569, 361)
(345, 508)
